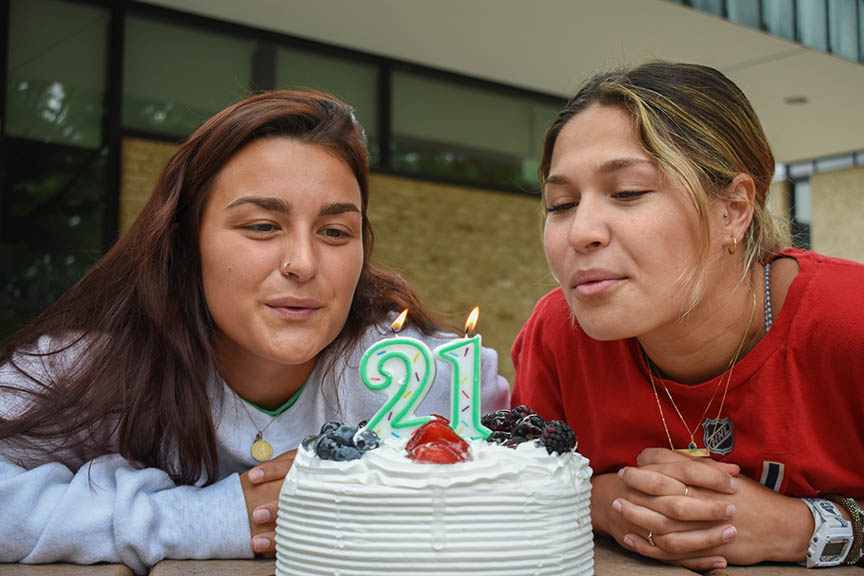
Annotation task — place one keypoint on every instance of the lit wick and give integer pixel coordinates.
(399, 321)
(471, 323)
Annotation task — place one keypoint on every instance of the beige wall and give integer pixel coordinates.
(837, 227)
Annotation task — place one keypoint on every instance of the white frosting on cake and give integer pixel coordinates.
(504, 513)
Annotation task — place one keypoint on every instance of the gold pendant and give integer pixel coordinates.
(692, 450)
(261, 449)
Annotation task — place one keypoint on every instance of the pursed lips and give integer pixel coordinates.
(294, 308)
(594, 281)
(294, 303)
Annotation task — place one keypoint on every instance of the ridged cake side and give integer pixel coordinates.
(505, 513)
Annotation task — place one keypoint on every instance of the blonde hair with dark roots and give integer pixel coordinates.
(701, 130)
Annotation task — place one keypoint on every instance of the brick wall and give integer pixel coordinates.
(143, 161)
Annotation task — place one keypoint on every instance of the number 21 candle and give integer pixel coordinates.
(404, 368)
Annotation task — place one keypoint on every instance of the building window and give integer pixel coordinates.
(812, 23)
(779, 17)
(175, 77)
(53, 207)
(744, 12)
(355, 83)
(861, 30)
(711, 6)
(843, 28)
(451, 131)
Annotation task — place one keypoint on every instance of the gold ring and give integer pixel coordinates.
(651, 538)
(686, 490)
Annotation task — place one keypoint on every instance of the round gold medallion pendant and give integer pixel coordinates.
(262, 450)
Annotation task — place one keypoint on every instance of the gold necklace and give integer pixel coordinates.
(692, 449)
(261, 449)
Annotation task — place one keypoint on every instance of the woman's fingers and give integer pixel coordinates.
(674, 513)
(651, 482)
(274, 469)
(703, 564)
(650, 456)
(731, 469)
(264, 544)
(658, 456)
(677, 478)
(265, 514)
(680, 545)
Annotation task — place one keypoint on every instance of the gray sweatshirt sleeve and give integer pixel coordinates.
(109, 511)
(60, 509)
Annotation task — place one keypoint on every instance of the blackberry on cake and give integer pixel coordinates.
(515, 441)
(530, 427)
(520, 412)
(558, 437)
(498, 437)
(498, 421)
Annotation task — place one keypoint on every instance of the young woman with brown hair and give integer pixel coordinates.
(234, 312)
(708, 370)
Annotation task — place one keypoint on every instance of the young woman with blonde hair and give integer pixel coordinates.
(708, 370)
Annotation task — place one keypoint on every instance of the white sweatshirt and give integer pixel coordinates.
(105, 510)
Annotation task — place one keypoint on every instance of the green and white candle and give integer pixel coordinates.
(463, 355)
(402, 368)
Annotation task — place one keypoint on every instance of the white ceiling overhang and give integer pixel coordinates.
(552, 45)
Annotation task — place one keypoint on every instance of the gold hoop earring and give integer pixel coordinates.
(734, 245)
(284, 268)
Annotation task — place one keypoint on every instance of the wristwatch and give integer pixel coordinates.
(832, 537)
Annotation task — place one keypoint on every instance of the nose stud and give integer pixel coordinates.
(284, 268)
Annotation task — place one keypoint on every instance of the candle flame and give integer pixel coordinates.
(400, 320)
(471, 323)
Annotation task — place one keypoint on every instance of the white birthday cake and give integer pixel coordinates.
(508, 509)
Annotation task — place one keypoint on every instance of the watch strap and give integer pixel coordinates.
(828, 520)
(857, 515)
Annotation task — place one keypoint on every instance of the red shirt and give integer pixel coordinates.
(794, 414)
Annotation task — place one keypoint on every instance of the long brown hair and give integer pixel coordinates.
(137, 323)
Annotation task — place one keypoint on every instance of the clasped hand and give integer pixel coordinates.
(697, 512)
(261, 485)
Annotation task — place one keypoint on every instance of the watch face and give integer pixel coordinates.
(833, 549)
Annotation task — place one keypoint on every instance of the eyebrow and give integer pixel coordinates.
(605, 168)
(278, 205)
(267, 203)
(621, 163)
(333, 208)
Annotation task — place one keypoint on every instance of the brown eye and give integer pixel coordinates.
(336, 233)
